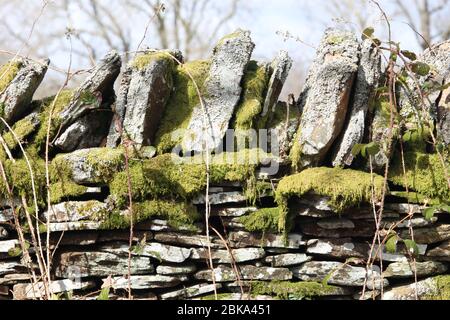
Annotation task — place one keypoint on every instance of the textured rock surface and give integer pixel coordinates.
(222, 92)
(408, 269)
(145, 282)
(29, 291)
(224, 256)
(337, 248)
(226, 274)
(367, 78)
(16, 98)
(244, 239)
(325, 96)
(288, 259)
(441, 252)
(191, 292)
(424, 289)
(443, 113)
(74, 211)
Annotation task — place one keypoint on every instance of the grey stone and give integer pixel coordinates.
(325, 97)
(367, 78)
(400, 256)
(4, 234)
(409, 269)
(241, 239)
(221, 198)
(74, 211)
(145, 282)
(336, 223)
(88, 132)
(429, 235)
(222, 92)
(361, 228)
(191, 292)
(148, 92)
(288, 259)
(7, 267)
(10, 279)
(282, 131)
(74, 226)
(441, 252)
(7, 245)
(280, 66)
(425, 289)
(24, 291)
(6, 215)
(343, 248)
(232, 212)
(169, 270)
(17, 97)
(227, 274)
(166, 253)
(188, 240)
(223, 256)
(338, 273)
(100, 264)
(99, 85)
(404, 208)
(158, 225)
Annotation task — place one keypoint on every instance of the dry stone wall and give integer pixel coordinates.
(302, 231)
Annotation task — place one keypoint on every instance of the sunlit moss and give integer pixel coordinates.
(293, 290)
(7, 73)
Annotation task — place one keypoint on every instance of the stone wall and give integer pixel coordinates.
(303, 231)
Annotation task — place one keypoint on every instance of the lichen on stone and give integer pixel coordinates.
(7, 73)
(286, 290)
(442, 288)
(183, 100)
(345, 187)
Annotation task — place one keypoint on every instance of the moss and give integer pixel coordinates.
(169, 176)
(424, 174)
(7, 74)
(335, 40)
(415, 197)
(65, 190)
(22, 129)
(144, 60)
(178, 214)
(220, 296)
(254, 87)
(443, 289)
(295, 153)
(345, 188)
(280, 115)
(292, 290)
(227, 37)
(182, 102)
(58, 105)
(263, 220)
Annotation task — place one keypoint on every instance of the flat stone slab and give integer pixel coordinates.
(8, 267)
(245, 239)
(409, 269)
(188, 240)
(227, 274)
(441, 252)
(288, 259)
(425, 289)
(221, 198)
(429, 235)
(232, 212)
(343, 248)
(145, 282)
(74, 211)
(28, 291)
(191, 292)
(223, 256)
(169, 270)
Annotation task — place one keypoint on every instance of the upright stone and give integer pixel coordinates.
(18, 83)
(144, 95)
(367, 79)
(325, 98)
(222, 92)
(443, 113)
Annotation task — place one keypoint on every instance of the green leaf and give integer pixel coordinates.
(412, 247)
(363, 151)
(391, 243)
(429, 213)
(420, 68)
(407, 136)
(446, 208)
(357, 149)
(409, 54)
(367, 33)
(104, 294)
(372, 149)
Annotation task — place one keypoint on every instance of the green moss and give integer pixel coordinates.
(183, 100)
(7, 74)
(22, 129)
(223, 40)
(443, 289)
(415, 197)
(280, 115)
(58, 105)
(220, 296)
(292, 290)
(254, 87)
(295, 153)
(263, 220)
(345, 188)
(424, 174)
(335, 40)
(143, 60)
(178, 214)
(65, 190)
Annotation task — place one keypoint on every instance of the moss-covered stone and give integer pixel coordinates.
(143, 60)
(22, 129)
(254, 87)
(293, 290)
(7, 73)
(345, 188)
(184, 98)
(424, 174)
(263, 220)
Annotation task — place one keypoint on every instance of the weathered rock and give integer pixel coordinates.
(221, 198)
(325, 97)
(74, 226)
(88, 132)
(360, 228)
(338, 273)
(95, 92)
(158, 225)
(288, 259)
(100, 264)
(441, 252)
(368, 295)
(425, 289)
(443, 115)
(317, 202)
(10, 279)
(367, 78)
(404, 208)
(429, 235)
(74, 211)
(6, 215)
(6, 246)
(337, 248)
(17, 97)
(188, 240)
(3, 233)
(227, 274)
(244, 239)
(336, 223)
(91, 166)
(400, 256)
(223, 256)
(191, 292)
(169, 270)
(414, 223)
(232, 212)
(406, 269)
(148, 92)
(280, 66)
(145, 282)
(222, 92)
(165, 253)
(24, 291)
(89, 237)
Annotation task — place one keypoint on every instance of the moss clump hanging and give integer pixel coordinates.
(424, 174)
(182, 102)
(263, 220)
(345, 188)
